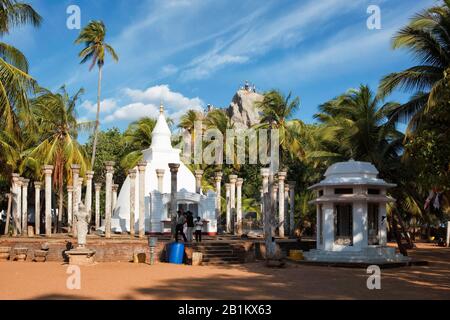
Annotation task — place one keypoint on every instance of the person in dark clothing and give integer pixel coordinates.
(198, 230)
(181, 220)
(190, 225)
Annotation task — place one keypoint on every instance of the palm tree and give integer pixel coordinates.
(15, 83)
(58, 130)
(139, 137)
(93, 37)
(357, 127)
(427, 37)
(277, 110)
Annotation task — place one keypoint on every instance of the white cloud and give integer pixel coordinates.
(106, 106)
(209, 64)
(133, 112)
(145, 103)
(162, 93)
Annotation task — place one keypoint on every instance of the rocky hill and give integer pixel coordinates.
(243, 110)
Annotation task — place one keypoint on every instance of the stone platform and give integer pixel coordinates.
(121, 248)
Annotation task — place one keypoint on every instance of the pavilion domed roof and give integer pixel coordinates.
(352, 173)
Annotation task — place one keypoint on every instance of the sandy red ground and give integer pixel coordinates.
(250, 281)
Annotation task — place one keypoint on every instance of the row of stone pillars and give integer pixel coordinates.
(19, 197)
(283, 197)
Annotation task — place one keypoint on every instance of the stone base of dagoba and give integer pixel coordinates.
(81, 256)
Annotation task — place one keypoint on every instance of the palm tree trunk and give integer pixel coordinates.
(405, 231)
(397, 235)
(97, 117)
(8, 214)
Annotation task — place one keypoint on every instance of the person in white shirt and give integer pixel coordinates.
(198, 230)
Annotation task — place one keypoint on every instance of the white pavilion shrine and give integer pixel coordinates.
(351, 216)
(157, 196)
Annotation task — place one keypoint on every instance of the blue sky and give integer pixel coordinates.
(190, 53)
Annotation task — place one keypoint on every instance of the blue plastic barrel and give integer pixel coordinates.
(176, 252)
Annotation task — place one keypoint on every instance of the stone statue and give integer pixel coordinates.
(82, 217)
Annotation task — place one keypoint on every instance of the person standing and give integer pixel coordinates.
(198, 230)
(190, 225)
(181, 221)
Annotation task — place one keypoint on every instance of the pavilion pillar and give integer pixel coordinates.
(448, 234)
(218, 179)
(25, 183)
(291, 208)
(160, 177)
(261, 205)
(37, 207)
(98, 187)
(88, 196)
(17, 203)
(233, 179)
(132, 176)
(108, 197)
(115, 188)
(173, 192)
(48, 169)
(239, 183)
(228, 212)
(141, 167)
(75, 181)
(198, 181)
(69, 207)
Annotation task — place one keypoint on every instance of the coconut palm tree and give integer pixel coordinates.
(277, 111)
(356, 125)
(93, 37)
(15, 83)
(427, 37)
(58, 130)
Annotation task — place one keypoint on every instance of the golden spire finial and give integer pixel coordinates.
(161, 108)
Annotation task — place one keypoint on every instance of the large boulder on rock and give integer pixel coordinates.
(243, 110)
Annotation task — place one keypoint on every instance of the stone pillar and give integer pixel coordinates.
(173, 191)
(70, 207)
(98, 187)
(286, 209)
(228, 212)
(108, 197)
(80, 189)
(17, 203)
(233, 179)
(160, 177)
(88, 196)
(132, 176)
(141, 167)
(275, 198)
(75, 182)
(8, 213)
(115, 188)
(265, 172)
(48, 169)
(198, 181)
(239, 226)
(25, 183)
(281, 218)
(218, 179)
(291, 207)
(37, 207)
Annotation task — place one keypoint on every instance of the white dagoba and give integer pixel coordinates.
(351, 216)
(157, 202)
